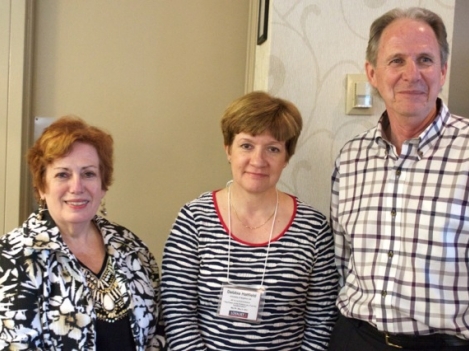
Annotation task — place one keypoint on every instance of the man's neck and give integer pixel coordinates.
(402, 128)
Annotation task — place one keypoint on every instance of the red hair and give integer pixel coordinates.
(57, 141)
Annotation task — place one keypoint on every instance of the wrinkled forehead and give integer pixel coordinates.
(406, 31)
(408, 37)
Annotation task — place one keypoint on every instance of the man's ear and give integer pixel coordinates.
(370, 74)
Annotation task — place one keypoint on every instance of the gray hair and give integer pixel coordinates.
(415, 13)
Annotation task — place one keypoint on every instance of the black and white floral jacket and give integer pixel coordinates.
(45, 303)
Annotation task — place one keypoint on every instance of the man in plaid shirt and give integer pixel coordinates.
(400, 201)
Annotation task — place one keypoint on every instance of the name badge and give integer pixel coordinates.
(241, 302)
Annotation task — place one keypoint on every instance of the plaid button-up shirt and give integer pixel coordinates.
(401, 228)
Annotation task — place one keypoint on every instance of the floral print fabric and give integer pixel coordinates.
(45, 303)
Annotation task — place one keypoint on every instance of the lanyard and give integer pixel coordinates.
(229, 235)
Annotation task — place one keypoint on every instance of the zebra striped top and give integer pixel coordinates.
(300, 280)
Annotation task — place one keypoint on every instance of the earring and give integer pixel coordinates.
(103, 208)
(41, 208)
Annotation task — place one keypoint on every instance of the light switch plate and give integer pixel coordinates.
(350, 96)
(41, 123)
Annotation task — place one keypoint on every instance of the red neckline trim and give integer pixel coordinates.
(225, 226)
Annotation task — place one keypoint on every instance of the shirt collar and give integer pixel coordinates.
(427, 137)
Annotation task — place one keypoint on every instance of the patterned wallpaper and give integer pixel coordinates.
(312, 45)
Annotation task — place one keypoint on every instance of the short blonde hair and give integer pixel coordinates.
(259, 112)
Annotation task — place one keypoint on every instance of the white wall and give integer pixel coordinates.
(458, 98)
(312, 45)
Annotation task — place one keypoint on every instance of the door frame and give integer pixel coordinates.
(16, 19)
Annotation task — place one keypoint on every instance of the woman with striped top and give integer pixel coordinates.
(249, 267)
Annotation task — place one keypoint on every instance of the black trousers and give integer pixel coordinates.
(353, 335)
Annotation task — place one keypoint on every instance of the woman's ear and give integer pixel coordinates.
(228, 152)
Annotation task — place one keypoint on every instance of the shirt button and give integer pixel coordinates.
(390, 254)
(393, 213)
(398, 173)
(384, 293)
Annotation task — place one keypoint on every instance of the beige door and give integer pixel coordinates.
(157, 74)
